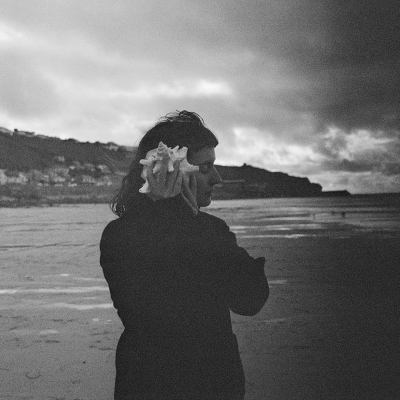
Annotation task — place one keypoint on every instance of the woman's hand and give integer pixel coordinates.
(164, 184)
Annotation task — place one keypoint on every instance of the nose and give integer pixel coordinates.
(215, 177)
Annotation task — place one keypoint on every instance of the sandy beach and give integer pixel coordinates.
(329, 331)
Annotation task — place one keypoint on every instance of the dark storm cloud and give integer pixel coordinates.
(339, 57)
(361, 66)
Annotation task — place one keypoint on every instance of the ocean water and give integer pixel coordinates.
(51, 250)
(311, 217)
(49, 257)
(80, 226)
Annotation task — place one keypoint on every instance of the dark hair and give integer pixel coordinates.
(181, 128)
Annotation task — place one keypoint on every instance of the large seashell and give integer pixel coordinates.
(156, 155)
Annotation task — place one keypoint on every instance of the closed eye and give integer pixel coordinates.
(206, 167)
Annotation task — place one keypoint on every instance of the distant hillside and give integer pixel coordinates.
(26, 151)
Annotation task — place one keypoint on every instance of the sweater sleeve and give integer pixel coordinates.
(116, 260)
(248, 288)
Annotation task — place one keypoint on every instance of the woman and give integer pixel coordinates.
(174, 274)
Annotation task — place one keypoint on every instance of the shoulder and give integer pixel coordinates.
(111, 234)
(219, 230)
(118, 230)
(113, 228)
(120, 238)
(216, 222)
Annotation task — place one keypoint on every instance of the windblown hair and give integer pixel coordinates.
(181, 128)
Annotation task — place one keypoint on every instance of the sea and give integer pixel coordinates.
(80, 226)
(293, 218)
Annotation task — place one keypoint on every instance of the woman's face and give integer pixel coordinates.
(207, 176)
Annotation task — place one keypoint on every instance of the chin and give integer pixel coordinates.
(204, 201)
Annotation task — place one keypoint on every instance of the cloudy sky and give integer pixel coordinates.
(307, 87)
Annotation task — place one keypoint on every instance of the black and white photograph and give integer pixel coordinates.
(199, 200)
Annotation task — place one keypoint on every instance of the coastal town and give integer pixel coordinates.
(61, 175)
(36, 169)
(62, 171)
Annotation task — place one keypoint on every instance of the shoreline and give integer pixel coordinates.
(51, 201)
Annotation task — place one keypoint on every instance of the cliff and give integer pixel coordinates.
(248, 181)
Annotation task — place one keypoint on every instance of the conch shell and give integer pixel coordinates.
(157, 155)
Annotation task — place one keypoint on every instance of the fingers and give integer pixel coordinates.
(150, 175)
(189, 195)
(164, 184)
(177, 188)
(164, 168)
(171, 181)
(189, 198)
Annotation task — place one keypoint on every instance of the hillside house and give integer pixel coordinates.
(57, 180)
(3, 177)
(85, 180)
(104, 181)
(4, 130)
(60, 159)
(111, 146)
(89, 167)
(75, 165)
(24, 133)
(60, 170)
(104, 169)
(16, 178)
(43, 179)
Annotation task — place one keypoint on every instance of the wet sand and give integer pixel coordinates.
(330, 329)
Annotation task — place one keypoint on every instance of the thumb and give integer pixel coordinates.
(193, 185)
(189, 198)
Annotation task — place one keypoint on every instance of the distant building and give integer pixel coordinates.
(44, 179)
(104, 181)
(75, 165)
(89, 167)
(104, 169)
(57, 180)
(3, 177)
(111, 146)
(24, 133)
(86, 179)
(7, 131)
(60, 159)
(60, 170)
(16, 178)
